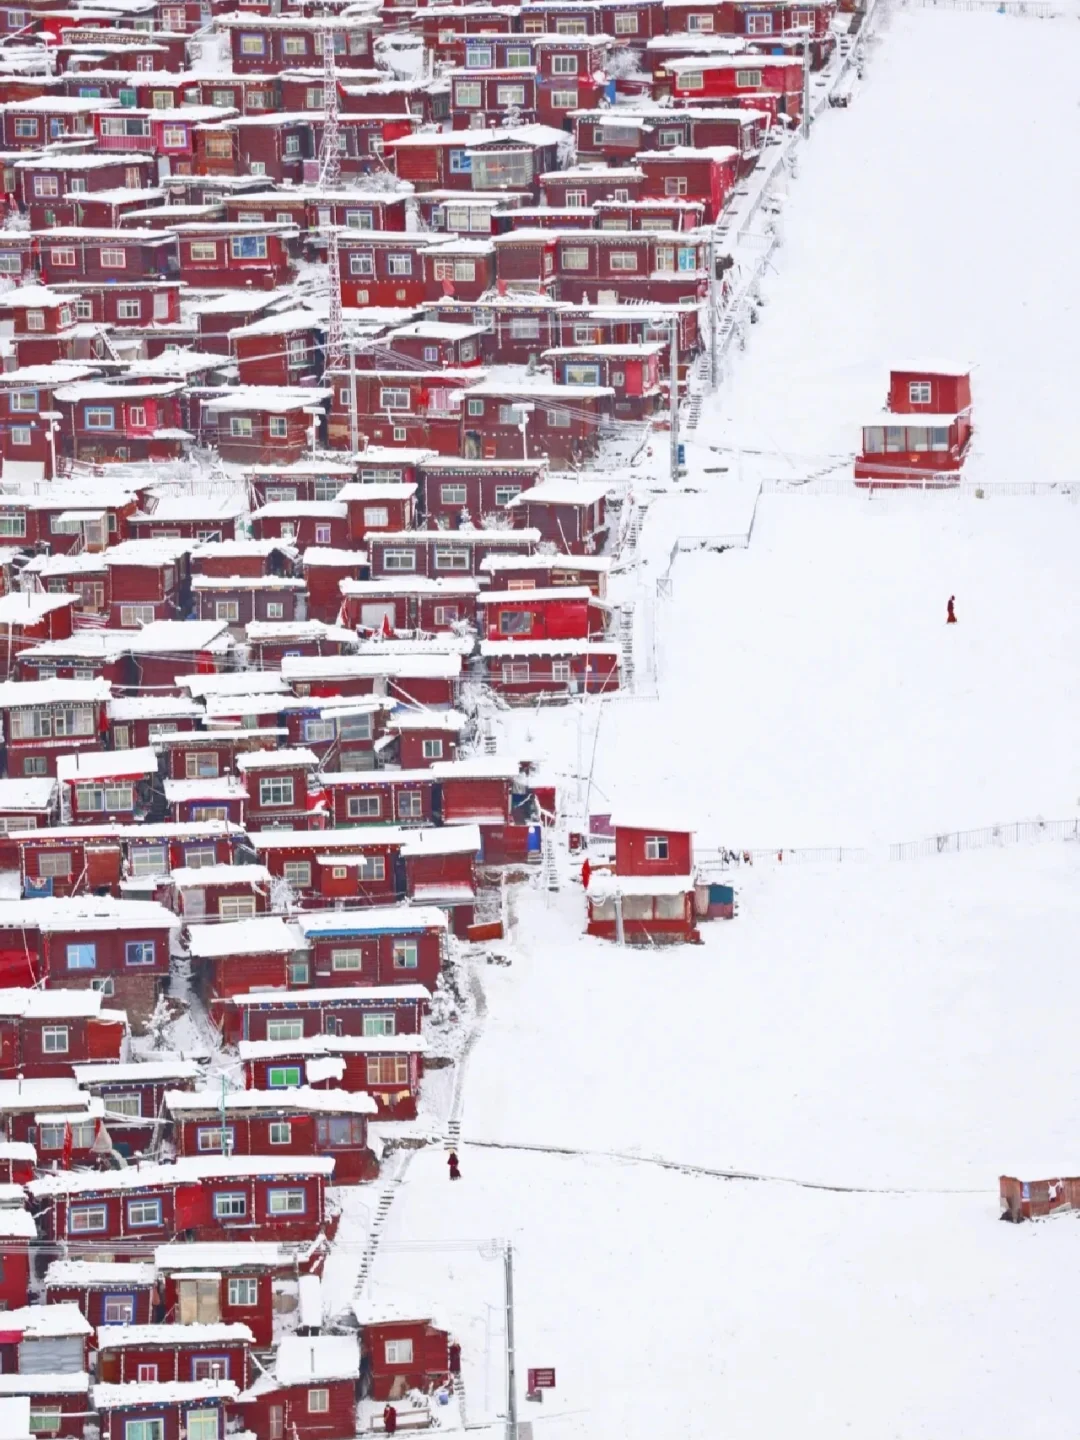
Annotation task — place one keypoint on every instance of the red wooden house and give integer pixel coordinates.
(510, 159)
(170, 1411)
(616, 266)
(582, 186)
(30, 618)
(565, 613)
(111, 787)
(524, 671)
(403, 406)
(692, 173)
(772, 82)
(231, 959)
(425, 736)
(259, 422)
(49, 1032)
(363, 797)
(649, 897)
(310, 1392)
(96, 943)
(43, 325)
(243, 600)
(926, 432)
(282, 789)
(30, 124)
(455, 490)
(301, 523)
(56, 183)
(57, 1403)
(29, 435)
(144, 719)
(17, 1233)
(269, 641)
(204, 519)
(440, 865)
(491, 97)
(106, 1292)
(217, 253)
(375, 507)
(279, 349)
(245, 1283)
(632, 371)
(306, 863)
(27, 804)
(215, 1198)
(416, 678)
(243, 557)
(46, 718)
(442, 553)
(569, 514)
(382, 268)
(148, 581)
(102, 255)
(133, 1094)
(388, 1067)
(161, 1354)
(376, 946)
(533, 417)
(286, 1122)
(267, 45)
(324, 571)
(405, 1350)
(221, 892)
(331, 1010)
(114, 422)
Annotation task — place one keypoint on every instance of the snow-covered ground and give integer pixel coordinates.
(900, 1030)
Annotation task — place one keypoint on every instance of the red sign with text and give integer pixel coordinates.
(541, 1379)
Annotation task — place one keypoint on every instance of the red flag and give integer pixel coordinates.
(69, 1143)
(387, 628)
(500, 286)
(448, 287)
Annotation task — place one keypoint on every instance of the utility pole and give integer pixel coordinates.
(511, 1363)
(354, 418)
(713, 377)
(806, 86)
(673, 392)
(329, 181)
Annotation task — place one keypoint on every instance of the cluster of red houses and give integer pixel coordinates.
(261, 549)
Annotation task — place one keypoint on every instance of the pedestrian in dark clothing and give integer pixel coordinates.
(950, 614)
(389, 1420)
(455, 1359)
(455, 1166)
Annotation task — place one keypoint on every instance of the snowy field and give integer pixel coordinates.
(901, 1031)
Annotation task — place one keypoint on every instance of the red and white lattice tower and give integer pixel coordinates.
(330, 179)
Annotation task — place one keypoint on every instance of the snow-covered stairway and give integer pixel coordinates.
(626, 646)
(548, 860)
(382, 1210)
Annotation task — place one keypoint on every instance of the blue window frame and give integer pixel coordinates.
(83, 1219)
(118, 1309)
(460, 162)
(82, 957)
(100, 417)
(688, 258)
(23, 402)
(140, 952)
(143, 1214)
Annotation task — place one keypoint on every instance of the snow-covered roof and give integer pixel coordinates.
(471, 139)
(275, 400)
(303, 1100)
(375, 919)
(410, 585)
(227, 1255)
(48, 1382)
(27, 607)
(274, 759)
(388, 490)
(93, 390)
(213, 787)
(191, 1171)
(136, 1072)
(98, 1272)
(184, 878)
(330, 1045)
(86, 912)
(605, 886)
(324, 555)
(247, 682)
(330, 667)
(49, 1004)
(331, 996)
(17, 1224)
(53, 692)
(155, 551)
(305, 1359)
(47, 1322)
(443, 840)
(15, 1417)
(173, 1392)
(121, 1337)
(918, 421)
(318, 509)
(537, 592)
(27, 794)
(266, 933)
(106, 764)
(404, 719)
(503, 649)
(153, 707)
(531, 385)
(233, 549)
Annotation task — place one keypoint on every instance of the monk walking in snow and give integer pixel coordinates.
(455, 1167)
(950, 614)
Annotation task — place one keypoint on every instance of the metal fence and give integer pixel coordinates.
(969, 489)
(1039, 10)
(721, 859)
(1018, 832)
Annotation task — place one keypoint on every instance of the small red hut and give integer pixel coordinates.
(925, 434)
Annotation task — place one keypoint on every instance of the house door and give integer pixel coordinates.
(200, 1301)
(472, 445)
(373, 615)
(194, 904)
(276, 1422)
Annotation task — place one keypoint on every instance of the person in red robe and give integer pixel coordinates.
(389, 1420)
(455, 1166)
(950, 614)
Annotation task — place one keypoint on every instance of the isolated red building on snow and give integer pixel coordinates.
(924, 436)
